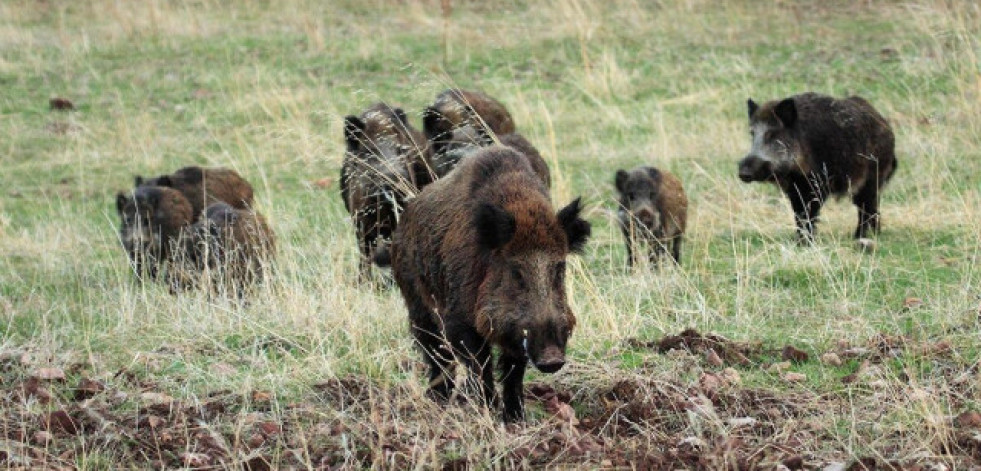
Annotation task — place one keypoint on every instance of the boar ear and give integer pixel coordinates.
(621, 181)
(495, 226)
(655, 175)
(786, 111)
(353, 130)
(137, 180)
(164, 181)
(191, 175)
(577, 230)
(752, 107)
(400, 114)
(120, 202)
(433, 123)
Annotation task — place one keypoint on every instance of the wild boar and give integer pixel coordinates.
(154, 220)
(653, 209)
(479, 257)
(205, 186)
(232, 247)
(466, 140)
(814, 146)
(384, 156)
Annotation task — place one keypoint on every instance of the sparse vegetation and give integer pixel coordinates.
(98, 371)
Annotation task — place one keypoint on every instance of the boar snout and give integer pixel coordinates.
(551, 360)
(646, 216)
(753, 168)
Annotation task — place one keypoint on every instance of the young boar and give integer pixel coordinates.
(458, 107)
(206, 186)
(154, 220)
(479, 257)
(461, 121)
(384, 156)
(653, 209)
(814, 146)
(233, 246)
(466, 140)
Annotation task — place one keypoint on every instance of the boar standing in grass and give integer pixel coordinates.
(231, 246)
(814, 146)
(479, 257)
(384, 156)
(654, 210)
(205, 186)
(466, 140)
(154, 221)
(461, 121)
(458, 107)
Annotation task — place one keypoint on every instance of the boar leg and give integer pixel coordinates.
(628, 241)
(433, 346)
(475, 353)
(513, 373)
(867, 200)
(655, 251)
(806, 200)
(366, 242)
(676, 249)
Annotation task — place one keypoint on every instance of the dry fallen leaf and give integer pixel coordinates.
(796, 355)
(778, 367)
(793, 377)
(50, 374)
(831, 358)
(59, 421)
(88, 388)
(912, 303)
(709, 382)
(969, 419)
(256, 440)
(154, 421)
(713, 358)
(195, 460)
(42, 438)
(323, 183)
(741, 422)
(269, 428)
(156, 397)
(731, 376)
(561, 411)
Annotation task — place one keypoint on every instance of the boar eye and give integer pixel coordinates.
(768, 136)
(517, 276)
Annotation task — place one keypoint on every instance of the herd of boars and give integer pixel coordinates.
(198, 225)
(462, 214)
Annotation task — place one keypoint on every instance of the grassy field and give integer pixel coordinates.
(98, 371)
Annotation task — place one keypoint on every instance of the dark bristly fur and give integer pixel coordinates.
(154, 220)
(461, 122)
(815, 146)
(206, 186)
(233, 246)
(653, 209)
(384, 157)
(479, 257)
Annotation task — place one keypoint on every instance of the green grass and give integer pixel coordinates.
(263, 89)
